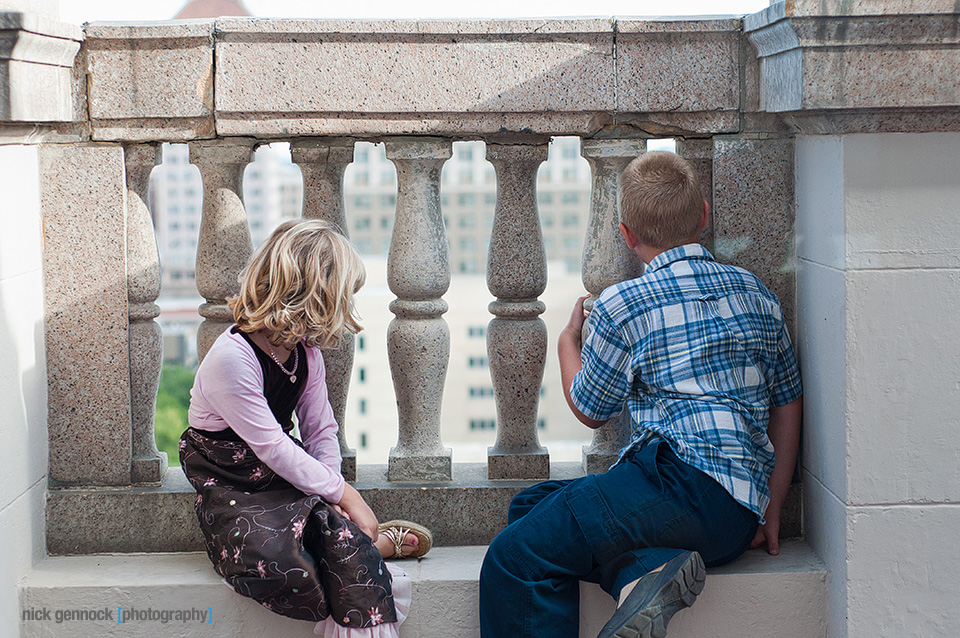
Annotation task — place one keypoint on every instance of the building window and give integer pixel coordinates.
(363, 406)
(547, 220)
(569, 174)
(468, 220)
(477, 362)
(362, 201)
(569, 151)
(479, 392)
(482, 424)
(388, 201)
(465, 154)
(468, 266)
(477, 332)
(465, 176)
(542, 424)
(570, 220)
(490, 199)
(466, 200)
(362, 376)
(544, 198)
(363, 440)
(571, 197)
(468, 244)
(362, 223)
(361, 343)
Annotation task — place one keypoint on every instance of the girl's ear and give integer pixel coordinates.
(629, 237)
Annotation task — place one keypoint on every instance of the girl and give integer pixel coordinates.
(279, 522)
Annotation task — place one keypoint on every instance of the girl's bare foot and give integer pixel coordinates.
(388, 550)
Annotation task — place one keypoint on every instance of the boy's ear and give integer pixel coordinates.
(629, 237)
(705, 218)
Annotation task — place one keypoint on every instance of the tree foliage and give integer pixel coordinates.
(173, 400)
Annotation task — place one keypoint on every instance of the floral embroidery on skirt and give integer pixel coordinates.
(292, 553)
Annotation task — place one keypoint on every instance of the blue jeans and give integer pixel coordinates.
(610, 529)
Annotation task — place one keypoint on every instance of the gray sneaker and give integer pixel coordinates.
(656, 597)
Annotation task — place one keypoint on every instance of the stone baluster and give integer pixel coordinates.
(516, 336)
(224, 245)
(322, 163)
(418, 339)
(699, 152)
(145, 338)
(606, 261)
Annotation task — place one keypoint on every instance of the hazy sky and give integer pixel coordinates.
(79, 11)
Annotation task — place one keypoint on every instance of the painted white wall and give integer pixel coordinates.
(878, 241)
(23, 399)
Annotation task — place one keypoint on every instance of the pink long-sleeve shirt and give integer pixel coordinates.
(228, 393)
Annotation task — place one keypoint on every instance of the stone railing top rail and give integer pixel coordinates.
(275, 79)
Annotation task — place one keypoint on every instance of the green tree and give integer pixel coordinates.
(173, 400)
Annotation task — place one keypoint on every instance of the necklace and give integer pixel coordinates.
(296, 361)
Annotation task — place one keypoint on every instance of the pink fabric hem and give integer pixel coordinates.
(402, 595)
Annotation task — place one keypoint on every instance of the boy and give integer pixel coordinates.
(699, 355)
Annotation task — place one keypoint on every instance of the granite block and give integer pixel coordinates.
(875, 60)
(687, 66)
(155, 76)
(754, 210)
(470, 510)
(312, 73)
(83, 203)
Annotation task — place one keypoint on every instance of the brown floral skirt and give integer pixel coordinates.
(292, 553)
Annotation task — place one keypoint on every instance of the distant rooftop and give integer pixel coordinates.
(212, 9)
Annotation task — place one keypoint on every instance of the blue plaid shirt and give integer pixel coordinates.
(698, 351)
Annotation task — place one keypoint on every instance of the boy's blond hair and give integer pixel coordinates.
(300, 285)
(660, 199)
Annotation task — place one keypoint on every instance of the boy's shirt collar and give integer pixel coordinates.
(686, 251)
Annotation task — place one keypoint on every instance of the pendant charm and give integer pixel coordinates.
(293, 378)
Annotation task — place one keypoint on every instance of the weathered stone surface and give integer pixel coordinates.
(517, 337)
(36, 59)
(224, 245)
(308, 76)
(754, 211)
(83, 202)
(418, 339)
(470, 510)
(872, 57)
(678, 65)
(143, 288)
(157, 77)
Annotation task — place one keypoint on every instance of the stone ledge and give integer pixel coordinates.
(755, 595)
(470, 510)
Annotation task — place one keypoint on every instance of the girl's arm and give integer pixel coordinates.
(230, 386)
(318, 427)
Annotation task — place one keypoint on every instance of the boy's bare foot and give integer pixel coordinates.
(647, 604)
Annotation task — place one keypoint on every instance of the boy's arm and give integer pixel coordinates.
(784, 433)
(569, 343)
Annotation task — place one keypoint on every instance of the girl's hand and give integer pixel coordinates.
(357, 510)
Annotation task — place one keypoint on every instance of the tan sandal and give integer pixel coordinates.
(397, 531)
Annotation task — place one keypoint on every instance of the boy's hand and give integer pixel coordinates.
(769, 535)
(574, 327)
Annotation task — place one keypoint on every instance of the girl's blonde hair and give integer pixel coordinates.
(299, 286)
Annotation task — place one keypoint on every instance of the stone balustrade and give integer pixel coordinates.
(228, 85)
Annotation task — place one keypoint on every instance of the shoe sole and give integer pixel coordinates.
(677, 594)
